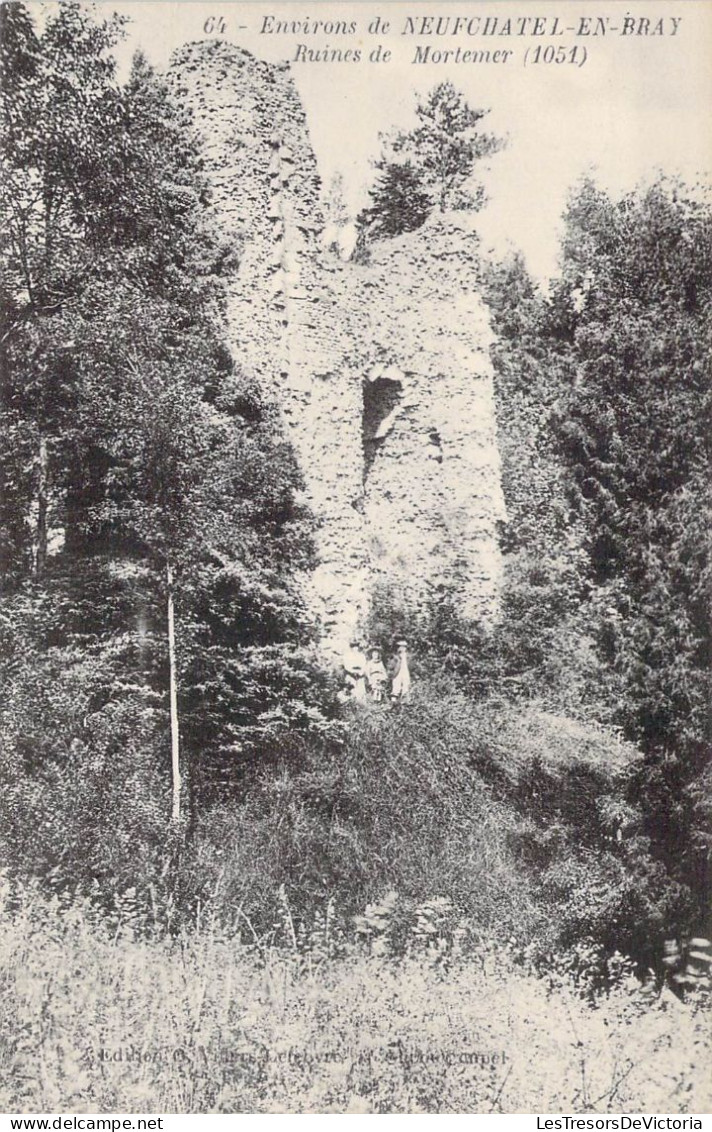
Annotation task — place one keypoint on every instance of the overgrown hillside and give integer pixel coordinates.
(524, 824)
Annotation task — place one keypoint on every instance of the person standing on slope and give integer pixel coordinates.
(400, 673)
(376, 675)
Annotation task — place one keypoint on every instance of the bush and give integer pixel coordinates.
(500, 810)
(398, 806)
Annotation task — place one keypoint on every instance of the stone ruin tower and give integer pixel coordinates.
(381, 370)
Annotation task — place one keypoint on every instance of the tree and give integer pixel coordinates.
(430, 167)
(60, 151)
(632, 310)
(399, 203)
(604, 403)
(636, 296)
(542, 644)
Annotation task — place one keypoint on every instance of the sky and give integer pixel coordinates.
(637, 105)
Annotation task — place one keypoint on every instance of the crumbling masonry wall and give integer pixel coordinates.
(381, 370)
(432, 495)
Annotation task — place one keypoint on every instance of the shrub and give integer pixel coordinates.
(505, 812)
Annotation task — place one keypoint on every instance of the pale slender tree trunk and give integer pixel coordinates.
(42, 502)
(173, 681)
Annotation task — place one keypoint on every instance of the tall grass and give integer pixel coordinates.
(96, 1019)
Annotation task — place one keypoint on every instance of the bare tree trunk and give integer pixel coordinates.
(173, 681)
(42, 499)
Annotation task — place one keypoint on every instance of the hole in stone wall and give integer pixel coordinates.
(380, 401)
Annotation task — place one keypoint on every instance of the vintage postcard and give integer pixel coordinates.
(354, 524)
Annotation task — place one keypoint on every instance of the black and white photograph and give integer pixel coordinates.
(355, 513)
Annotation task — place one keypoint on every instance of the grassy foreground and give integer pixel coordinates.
(97, 1020)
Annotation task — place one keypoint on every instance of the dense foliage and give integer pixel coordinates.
(634, 303)
(139, 469)
(604, 399)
